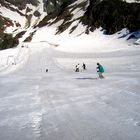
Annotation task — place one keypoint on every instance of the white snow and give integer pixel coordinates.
(130, 1)
(14, 16)
(36, 104)
(79, 1)
(64, 104)
(78, 41)
(78, 13)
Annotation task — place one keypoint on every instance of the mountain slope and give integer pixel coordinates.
(112, 15)
(63, 104)
(22, 19)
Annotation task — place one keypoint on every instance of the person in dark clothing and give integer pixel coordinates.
(77, 68)
(84, 66)
(100, 70)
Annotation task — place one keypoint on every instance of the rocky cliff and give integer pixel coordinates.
(112, 15)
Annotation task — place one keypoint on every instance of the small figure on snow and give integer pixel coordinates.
(100, 70)
(77, 68)
(84, 66)
(46, 70)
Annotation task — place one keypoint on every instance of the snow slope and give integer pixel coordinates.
(62, 104)
(130, 1)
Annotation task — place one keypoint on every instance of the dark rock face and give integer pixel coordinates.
(21, 4)
(37, 14)
(4, 22)
(112, 15)
(4, 38)
(56, 5)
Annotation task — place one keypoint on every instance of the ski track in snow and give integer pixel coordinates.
(63, 105)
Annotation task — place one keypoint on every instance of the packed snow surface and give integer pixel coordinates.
(64, 105)
(131, 1)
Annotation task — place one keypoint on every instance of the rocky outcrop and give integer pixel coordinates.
(4, 38)
(21, 4)
(112, 15)
(63, 12)
(18, 7)
(56, 6)
(4, 22)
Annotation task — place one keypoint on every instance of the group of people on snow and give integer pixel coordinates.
(77, 67)
(99, 68)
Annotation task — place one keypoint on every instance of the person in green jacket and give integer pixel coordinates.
(100, 70)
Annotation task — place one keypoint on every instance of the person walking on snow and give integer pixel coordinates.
(77, 68)
(84, 66)
(100, 70)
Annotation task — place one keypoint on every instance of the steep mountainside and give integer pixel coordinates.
(19, 17)
(112, 15)
(16, 17)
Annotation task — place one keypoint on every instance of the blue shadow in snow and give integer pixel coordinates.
(86, 78)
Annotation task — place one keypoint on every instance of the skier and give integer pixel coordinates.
(84, 66)
(100, 70)
(77, 68)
